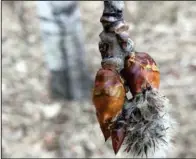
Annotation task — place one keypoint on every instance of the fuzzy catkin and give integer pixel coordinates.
(149, 126)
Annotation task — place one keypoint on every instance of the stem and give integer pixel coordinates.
(112, 14)
(115, 43)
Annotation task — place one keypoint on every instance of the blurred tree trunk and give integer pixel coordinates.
(63, 43)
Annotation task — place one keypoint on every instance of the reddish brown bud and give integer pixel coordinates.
(108, 97)
(140, 71)
(117, 139)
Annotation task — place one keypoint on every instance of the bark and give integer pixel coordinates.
(61, 31)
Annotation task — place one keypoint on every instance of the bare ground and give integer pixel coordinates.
(36, 126)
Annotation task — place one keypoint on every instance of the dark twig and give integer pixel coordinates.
(115, 43)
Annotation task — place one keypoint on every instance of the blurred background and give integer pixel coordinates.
(46, 102)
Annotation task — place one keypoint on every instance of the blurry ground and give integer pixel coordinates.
(35, 126)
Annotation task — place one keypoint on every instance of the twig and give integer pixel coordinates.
(115, 41)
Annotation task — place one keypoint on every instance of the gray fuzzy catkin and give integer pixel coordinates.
(150, 127)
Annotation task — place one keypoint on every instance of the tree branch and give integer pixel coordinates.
(115, 43)
(112, 15)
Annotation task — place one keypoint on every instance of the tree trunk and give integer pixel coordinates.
(63, 43)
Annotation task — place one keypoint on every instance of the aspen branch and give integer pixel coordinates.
(115, 41)
(144, 122)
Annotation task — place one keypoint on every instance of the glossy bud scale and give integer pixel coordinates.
(108, 97)
(140, 72)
